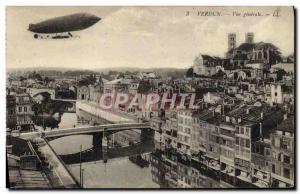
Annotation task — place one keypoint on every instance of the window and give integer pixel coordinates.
(279, 157)
(286, 173)
(237, 141)
(188, 130)
(247, 132)
(242, 130)
(273, 168)
(237, 129)
(276, 142)
(20, 109)
(223, 141)
(257, 148)
(247, 143)
(286, 159)
(186, 139)
(237, 150)
(284, 144)
(25, 109)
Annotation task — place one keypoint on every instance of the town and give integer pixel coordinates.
(240, 135)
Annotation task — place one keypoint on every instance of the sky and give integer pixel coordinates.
(144, 37)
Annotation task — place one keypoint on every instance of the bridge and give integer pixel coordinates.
(110, 128)
(95, 154)
(66, 100)
(69, 103)
(33, 92)
(111, 116)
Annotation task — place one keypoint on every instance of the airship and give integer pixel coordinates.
(61, 27)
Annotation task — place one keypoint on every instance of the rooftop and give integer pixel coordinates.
(250, 46)
(267, 115)
(287, 125)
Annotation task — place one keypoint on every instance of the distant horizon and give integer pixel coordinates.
(104, 68)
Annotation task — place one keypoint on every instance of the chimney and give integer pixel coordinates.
(260, 129)
(223, 110)
(227, 119)
(247, 111)
(239, 120)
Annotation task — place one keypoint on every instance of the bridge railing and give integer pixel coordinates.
(93, 129)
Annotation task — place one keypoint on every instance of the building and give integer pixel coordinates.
(199, 134)
(246, 126)
(83, 93)
(205, 145)
(11, 117)
(247, 52)
(96, 92)
(213, 142)
(171, 132)
(184, 174)
(260, 163)
(249, 37)
(146, 75)
(117, 85)
(158, 170)
(133, 87)
(282, 146)
(185, 125)
(281, 93)
(227, 151)
(231, 41)
(242, 158)
(206, 65)
(24, 112)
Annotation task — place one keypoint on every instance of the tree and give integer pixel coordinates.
(190, 72)
(144, 87)
(46, 80)
(87, 80)
(280, 73)
(35, 76)
(121, 75)
(22, 78)
(219, 74)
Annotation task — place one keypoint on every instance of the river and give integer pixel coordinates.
(150, 168)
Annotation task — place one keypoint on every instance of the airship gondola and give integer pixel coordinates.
(61, 27)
